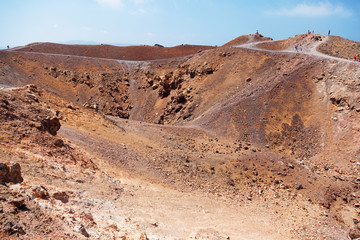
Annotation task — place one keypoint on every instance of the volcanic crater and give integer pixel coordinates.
(251, 140)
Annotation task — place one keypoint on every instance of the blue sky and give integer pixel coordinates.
(171, 22)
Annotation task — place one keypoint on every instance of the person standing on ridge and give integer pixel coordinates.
(8, 47)
(329, 33)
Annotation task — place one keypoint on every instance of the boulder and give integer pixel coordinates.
(51, 125)
(62, 196)
(10, 173)
(354, 233)
(18, 202)
(4, 171)
(83, 231)
(15, 173)
(40, 192)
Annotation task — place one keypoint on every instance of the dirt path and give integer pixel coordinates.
(311, 50)
(6, 87)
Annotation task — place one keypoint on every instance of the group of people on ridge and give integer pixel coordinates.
(357, 57)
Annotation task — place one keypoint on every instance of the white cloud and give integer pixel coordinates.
(110, 3)
(321, 9)
(55, 25)
(138, 12)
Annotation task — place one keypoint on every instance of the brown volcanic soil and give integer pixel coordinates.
(339, 47)
(134, 53)
(305, 41)
(229, 142)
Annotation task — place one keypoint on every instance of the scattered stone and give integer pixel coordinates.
(299, 187)
(208, 234)
(354, 232)
(154, 223)
(40, 192)
(248, 80)
(140, 236)
(18, 202)
(83, 231)
(70, 106)
(62, 196)
(59, 142)
(10, 229)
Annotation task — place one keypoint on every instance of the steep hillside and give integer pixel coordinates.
(340, 47)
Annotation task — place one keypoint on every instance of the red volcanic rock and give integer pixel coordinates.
(10, 174)
(51, 125)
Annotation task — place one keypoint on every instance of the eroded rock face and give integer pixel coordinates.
(51, 125)
(11, 173)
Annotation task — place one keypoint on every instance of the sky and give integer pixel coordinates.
(171, 22)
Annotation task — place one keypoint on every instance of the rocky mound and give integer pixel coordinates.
(246, 39)
(133, 53)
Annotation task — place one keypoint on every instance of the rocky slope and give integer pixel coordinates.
(340, 47)
(123, 149)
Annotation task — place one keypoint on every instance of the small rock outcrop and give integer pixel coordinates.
(62, 196)
(11, 173)
(40, 192)
(51, 125)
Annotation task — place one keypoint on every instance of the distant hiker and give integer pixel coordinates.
(329, 32)
(31, 49)
(296, 48)
(8, 46)
(355, 57)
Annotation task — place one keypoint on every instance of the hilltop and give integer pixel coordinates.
(187, 142)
